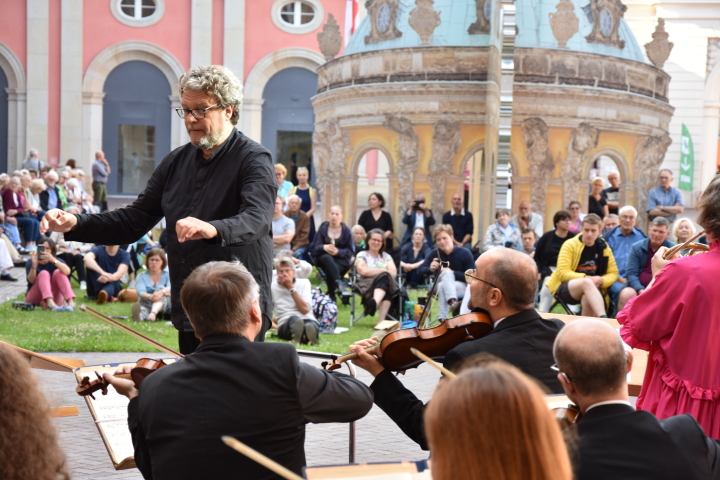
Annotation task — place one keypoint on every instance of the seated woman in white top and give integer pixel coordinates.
(376, 275)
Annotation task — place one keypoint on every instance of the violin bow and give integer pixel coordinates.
(260, 458)
(433, 292)
(432, 362)
(130, 331)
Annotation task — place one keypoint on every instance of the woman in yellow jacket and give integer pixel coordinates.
(585, 283)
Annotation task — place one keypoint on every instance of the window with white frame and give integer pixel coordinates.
(297, 16)
(137, 13)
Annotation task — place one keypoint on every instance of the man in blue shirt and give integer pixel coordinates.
(461, 221)
(621, 239)
(105, 267)
(664, 200)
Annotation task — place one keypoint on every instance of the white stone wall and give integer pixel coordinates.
(690, 25)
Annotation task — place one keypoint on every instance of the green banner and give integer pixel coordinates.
(687, 161)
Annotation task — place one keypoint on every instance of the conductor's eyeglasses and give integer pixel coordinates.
(198, 113)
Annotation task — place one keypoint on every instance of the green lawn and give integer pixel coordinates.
(44, 331)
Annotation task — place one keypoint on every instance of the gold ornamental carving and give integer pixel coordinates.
(658, 51)
(564, 22)
(424, 20)
(383, 20)
(329, 39)
(607, 15)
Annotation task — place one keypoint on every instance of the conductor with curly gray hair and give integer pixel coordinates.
(217, 194)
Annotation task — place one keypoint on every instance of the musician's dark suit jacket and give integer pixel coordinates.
(524, 340)
(259, 393)
(616, 442)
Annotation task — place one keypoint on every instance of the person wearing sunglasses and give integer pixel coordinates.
(503, 284)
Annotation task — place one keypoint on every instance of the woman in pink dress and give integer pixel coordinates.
(677, 319)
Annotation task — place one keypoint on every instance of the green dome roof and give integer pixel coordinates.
(533, 29)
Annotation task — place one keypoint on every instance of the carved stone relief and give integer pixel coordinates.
(564, 22)
(649, 155)
(445, 145)
(535, 136)
(408, 158)
(483, 9)
(658, 51)
(713, 53)
(330, 39)
(424, 20)
(331, 148)
(606, 22)
(582, 139)
(383, 20)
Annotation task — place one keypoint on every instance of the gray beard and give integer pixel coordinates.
(211, 140)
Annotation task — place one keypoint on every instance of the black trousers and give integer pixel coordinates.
(74, 260)
(333, 272)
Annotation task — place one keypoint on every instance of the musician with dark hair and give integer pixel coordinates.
(676, 320)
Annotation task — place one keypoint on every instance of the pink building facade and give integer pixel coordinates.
(77, 76)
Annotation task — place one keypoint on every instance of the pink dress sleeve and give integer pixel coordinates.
(653, 314)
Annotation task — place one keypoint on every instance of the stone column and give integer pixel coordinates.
(709, 145)
(201, 33)
(71, 48)
(17, 100)
(38, 16)
(251, 119)
(92, 129)
(234, 37)
(178, 132)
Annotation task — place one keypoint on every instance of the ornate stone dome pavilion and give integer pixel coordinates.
(421, 81)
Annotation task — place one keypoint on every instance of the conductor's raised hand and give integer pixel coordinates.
(191, 228)
(365, 360)
(56, 220)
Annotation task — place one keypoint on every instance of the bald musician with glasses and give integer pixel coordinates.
(503, 284)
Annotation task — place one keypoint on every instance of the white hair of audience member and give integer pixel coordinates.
(357, 227)
(39, 184)
(72, 183)
(676, 225)
(628, 208)
(73, 209)
(25, 171)
(52, 174)
(302, 269)
(17, 173)
(32, 153)
(80, 172)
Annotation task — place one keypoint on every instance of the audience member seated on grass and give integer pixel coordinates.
(29, 447)
(302, 268)
(451, 283)
(417, 215)
(461, 221)
(376, 218)
(48, 282)
(6, 263)
(14, 206)
(610, 222)
(377, 275)
(585, 269)
(596, 202)
(105, 267)
(639, 260)
(576, 216)
(526, 218)
(301, 239)
(332, 249)
(621, 240)
(683, 230)
(359, 235)
(72, 253)
(527, 236)
(153, 288)
(502, 233)
(412, 257)
(528, 446)
(292, 304)
(283, 228)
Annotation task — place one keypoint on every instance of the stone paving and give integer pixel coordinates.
(378, 438)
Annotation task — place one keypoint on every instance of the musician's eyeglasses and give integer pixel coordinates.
(470, 278)
(567, 377)
(198, 113)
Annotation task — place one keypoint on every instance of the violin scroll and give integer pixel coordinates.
(568, 416)
(88, 387)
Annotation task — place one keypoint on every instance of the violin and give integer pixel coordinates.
(143, 367)
(567, 416)
(394, 350)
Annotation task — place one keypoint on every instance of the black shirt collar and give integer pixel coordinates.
(223, 146)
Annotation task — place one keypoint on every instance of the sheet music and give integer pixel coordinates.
(119, 441)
